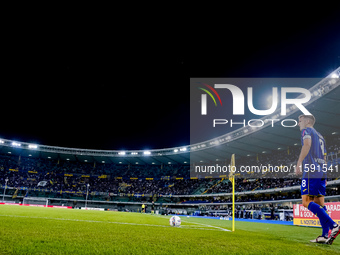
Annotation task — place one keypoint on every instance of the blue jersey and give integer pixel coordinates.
(313, 163)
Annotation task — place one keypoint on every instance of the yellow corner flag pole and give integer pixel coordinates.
(232, 179)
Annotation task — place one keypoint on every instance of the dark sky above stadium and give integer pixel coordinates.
(124, 84)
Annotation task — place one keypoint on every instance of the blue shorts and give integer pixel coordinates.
(313, 187)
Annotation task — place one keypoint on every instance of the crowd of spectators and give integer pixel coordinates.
(112, 178)
(57, 175)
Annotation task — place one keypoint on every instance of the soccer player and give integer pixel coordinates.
(153, 208)
(312, 165)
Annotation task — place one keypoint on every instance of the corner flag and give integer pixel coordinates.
(232, 179)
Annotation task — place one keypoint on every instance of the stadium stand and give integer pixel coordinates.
(123, 180)
(66, 182)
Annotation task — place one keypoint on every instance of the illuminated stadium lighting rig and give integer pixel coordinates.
(32, 146)
(335, 74)
(16, 144)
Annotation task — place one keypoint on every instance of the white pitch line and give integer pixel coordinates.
(113, 222)
(222, 229)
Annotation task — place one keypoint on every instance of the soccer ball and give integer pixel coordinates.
(175, 221)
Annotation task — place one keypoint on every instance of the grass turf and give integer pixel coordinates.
(34, 230)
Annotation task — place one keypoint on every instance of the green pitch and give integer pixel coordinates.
(33, 230)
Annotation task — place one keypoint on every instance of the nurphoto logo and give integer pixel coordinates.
(215, 91)
(238, 99)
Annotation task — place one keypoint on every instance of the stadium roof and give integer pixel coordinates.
(246, 141)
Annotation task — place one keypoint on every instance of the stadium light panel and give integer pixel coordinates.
(147, 152)
(334, 75)
(32, 146)
(2, 141)
(183, 149)
(121, 153)
(16, 144)
(175, 150)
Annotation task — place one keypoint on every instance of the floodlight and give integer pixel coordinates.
(334, 75)
(147, 152)
(16, 144)
(32, 146)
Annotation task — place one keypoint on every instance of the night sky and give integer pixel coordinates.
(85, 85)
